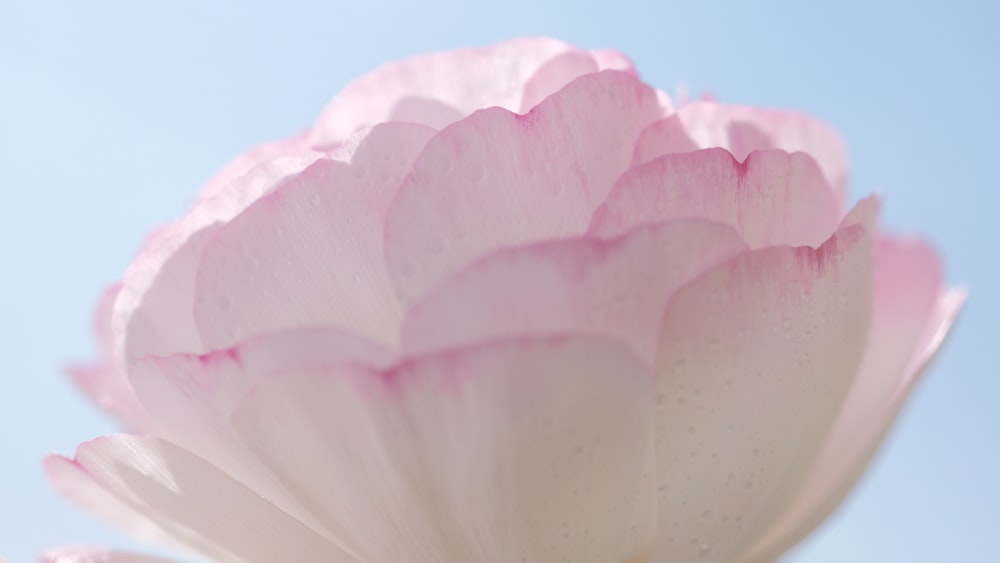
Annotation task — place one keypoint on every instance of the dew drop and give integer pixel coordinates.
(405, 269)
(444, 165)
(475, 172)
(705, 551)
(436, 246)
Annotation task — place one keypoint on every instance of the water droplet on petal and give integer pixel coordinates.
(705, 551)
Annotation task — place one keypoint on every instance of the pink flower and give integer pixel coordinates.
(508, 304)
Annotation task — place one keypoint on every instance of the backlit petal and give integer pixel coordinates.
(771, 198)
(911, 313)
(497, 179)
(197, 504)
(755, 359)
(744, 129)
(617, 287)
(310, 252)
(528, 450)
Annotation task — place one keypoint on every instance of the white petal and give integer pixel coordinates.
(197, 504)
(911, 315)
(531, 450)
(190, 398)
(755, 359)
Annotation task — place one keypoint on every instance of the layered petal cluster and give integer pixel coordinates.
(508, 305)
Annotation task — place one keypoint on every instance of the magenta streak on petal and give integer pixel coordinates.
(310, 252)
(772, 198)
(393, 458)
(616, 287)
(496, 179)
(754, 359)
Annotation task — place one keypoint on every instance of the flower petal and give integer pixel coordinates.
(771, 198)
(437, 89)
(557, 72)
(85, 555)
(247, 161)
(612, 59)
(105, 383)
(497, 179)
(152, 313)
(190, 398)
(911, 315)
(618, 287)
(79, 487)
(527, 450)
(865, 213)
(744, 129)
(310, 252)
(666, 136)
(755, 358)
(197, 504)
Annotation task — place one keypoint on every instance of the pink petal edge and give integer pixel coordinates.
(771, 197)
(593, 286)
(497, 179)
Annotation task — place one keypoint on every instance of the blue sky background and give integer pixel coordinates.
(112, 114)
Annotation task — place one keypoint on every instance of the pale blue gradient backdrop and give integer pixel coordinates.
(112, 114)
